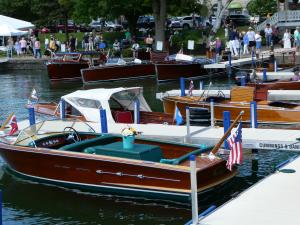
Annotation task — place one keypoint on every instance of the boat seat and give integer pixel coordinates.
(80, 146)
(123, 117)
(186, 156)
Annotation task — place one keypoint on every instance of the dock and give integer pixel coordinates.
(234, 62)
(272, 201)
(3, 60)
(280, 75)
(253, 138)
(273, 95)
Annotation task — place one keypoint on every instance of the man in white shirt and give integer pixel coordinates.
(268, 35)
(251, 38)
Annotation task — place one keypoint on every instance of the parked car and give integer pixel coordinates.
(185, 22)
(240, 19)
(97, 25)
(111, 26)
(146, 22)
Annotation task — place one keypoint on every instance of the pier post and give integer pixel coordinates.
(103, 121)
(243, 81)
(275, 65)
(252, 57)
(194, 195)
(226, 124)
(182, 86)
(188, 129)
(62, 109)
(265, 74)
(136, 111)
(230, 64)
(31, 115)
(201, 85)
(253, 114)
(212, 113)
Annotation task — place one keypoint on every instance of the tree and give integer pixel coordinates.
(220, 13)
(160, 14)
(262, 7)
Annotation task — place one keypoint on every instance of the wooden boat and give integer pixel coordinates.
(240, 98)
(179, 65)
(119, 104)
(70, 154)
(67, 66)
(117, 69)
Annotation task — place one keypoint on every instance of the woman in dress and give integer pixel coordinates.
(287, 39)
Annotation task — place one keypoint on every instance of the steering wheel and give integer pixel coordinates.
(73, 135)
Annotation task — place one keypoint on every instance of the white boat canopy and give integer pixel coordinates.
(88, 102)
(15, 23)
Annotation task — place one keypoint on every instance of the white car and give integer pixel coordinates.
(185, 22)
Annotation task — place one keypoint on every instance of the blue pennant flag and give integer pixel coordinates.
(178, 116)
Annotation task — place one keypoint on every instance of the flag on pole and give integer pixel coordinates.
(235, 143)
(191, 87)
(177, 116)
(14, 125)
(33, 98)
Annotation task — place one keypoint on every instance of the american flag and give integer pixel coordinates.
(191, 87)
(236, 151)
(14, 125)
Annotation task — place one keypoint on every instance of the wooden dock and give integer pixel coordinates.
(272, 201)
(253, 138)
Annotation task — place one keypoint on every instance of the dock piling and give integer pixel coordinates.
(212, 113)
(265, 74)
(188, 129)
(62, 109)
(201, 85)
(194, 195)
(103, 121)
(253, 116)
(31, 115)
(275, 65)
(182, 86)
(136, 111)
(226, 124)
(243, 81)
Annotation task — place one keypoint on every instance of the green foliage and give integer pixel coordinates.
(262, 7)
(185, 35)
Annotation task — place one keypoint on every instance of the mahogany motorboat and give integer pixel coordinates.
(273, 112)
(117, 69)
(70, 154)
(67, 66)
(179, 65)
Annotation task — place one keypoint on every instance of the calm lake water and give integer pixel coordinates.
(27, 202)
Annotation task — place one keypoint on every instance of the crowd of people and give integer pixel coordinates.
(250, 42)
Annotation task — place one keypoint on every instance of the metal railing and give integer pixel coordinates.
(280, 17)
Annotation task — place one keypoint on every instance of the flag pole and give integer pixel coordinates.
(7, 121)
(218, 145)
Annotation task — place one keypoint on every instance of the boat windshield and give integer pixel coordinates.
(86, 103)
(50, 127)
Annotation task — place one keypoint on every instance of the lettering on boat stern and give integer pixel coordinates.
(140, 176)
(279, 146)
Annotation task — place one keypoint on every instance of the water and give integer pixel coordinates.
(27, 202)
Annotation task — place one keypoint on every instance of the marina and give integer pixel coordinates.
(165, 115)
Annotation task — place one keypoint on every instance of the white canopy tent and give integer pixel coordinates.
(15, 23)
(6, 30)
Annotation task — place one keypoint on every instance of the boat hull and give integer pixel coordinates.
(265, 113)
(173, 71)
(65, 70)
(118, 72)
(109, 174)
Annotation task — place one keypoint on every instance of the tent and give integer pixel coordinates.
(6, 30)
(15, 23)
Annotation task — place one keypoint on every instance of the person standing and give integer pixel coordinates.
(46, 43)
(268, 35)
(287, 39)
(72, 43)
(149, 42)
(117, 48)
(251, 38)
(246, 44)
(296, 33)
(18, 48)
(23, 44)
(86, 42)
(232, 42)
(37, 48)
(10, 43)
(258, 41)
(135, 47)
(91, 43)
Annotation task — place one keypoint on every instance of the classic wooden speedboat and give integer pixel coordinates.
(179, 65)
(70, 154)
(67, 66)
(114, 70)
(240, 98)
(119, 104)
